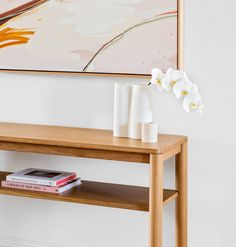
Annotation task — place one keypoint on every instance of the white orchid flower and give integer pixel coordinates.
(157, 76)
(200, 108)
(193, 100)
(171, 78)
(182, 87)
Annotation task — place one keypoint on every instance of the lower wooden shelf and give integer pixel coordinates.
(96, 193)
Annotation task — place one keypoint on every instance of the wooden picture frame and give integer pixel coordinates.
(180, 62)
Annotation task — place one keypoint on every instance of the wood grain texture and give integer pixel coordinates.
(180, 34)
(155, 200)
(84, 138)
(101, 144)
(96, 193)
(182, 201)
(72, 73)
(74, 152)
(172, 152)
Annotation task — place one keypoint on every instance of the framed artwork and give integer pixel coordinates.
(114, 37)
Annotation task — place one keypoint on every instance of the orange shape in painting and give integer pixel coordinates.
(12, 36)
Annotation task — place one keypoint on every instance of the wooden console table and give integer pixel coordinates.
(100, 144)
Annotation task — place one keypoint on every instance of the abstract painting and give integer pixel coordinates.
(89, 36)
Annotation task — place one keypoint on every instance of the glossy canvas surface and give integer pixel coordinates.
(102, 36)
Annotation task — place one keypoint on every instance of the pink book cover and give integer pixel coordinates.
(42, 188)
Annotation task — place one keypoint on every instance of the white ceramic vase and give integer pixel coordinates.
(140, 109)
(122, 102)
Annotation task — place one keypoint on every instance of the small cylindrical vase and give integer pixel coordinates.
(122, 101)
(149, 132)
(140, 110)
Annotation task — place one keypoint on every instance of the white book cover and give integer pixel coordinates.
(41, 176)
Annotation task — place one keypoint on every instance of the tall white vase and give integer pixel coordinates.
(122, 101)
(140, 110)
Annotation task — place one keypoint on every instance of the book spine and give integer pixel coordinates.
(64, 180)
(13, 178)
(30, 181)
(33, 187)
(69, 186)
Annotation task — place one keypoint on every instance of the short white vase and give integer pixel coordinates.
(140, 109)
(122, 101)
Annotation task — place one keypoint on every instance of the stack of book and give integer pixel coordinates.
(42, 180)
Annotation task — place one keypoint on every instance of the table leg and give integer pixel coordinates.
(181, 204)
(156, 200)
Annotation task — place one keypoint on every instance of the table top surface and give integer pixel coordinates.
(84, 138)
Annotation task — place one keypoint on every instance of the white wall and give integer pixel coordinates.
(88, 102)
